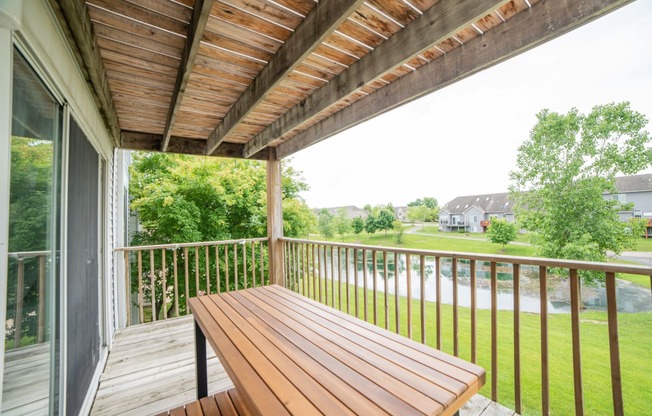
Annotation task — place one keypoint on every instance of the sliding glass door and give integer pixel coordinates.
(31, 370)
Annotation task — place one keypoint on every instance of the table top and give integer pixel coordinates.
(287, 354)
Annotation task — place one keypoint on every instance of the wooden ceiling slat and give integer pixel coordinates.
(318, 25)
(230, 14)
(343, 43)
(397, 10)
(140, 91)
(221, 75)
(141, 74)
(167, 8)
(136, 41)
(448, 45)
(128, 25)
(268, 11)
(375, 21)
(467, 34)
(249, 37)
(305, 80)
(221, 94)
(488, 22)
(335, 55)
(127, 102)
(315, 72)
(152, 81)
(136, 57)
(143, 15)
(223, 55)
(224, 65)
(512, 8)
(236, 46)
(302, 7)
(324, 64)
(446, 17)
(422, 5)
(361, 33)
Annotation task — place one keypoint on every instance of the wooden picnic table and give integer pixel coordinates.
(287, 354)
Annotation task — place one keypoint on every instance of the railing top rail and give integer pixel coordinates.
(194, 244)
(532, 261)
(28, 254)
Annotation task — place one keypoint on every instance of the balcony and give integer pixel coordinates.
(501, 312)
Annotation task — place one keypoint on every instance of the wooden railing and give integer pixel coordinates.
(162, 277)
(351, 277)
(37, 286)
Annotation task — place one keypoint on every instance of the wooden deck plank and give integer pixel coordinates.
(25, 386)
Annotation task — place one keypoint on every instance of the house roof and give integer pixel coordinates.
(237, 78)
(486, 202)
(634, 183)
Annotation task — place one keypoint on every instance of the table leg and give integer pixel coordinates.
(200, 361)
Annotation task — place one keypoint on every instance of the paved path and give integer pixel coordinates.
(415, 231)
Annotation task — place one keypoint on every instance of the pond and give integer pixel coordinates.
(630, 298)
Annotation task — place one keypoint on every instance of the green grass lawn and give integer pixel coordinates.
(635, 351)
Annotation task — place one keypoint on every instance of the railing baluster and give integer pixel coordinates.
(244, 263)
(517, 338)
(438, 300)
(474, 297)
(128, 285)
(226, 268)
(314, 274)
(577, 357)
(325, 275)
(176, 284)
(319, 264)
(235, 266)
(543, 296)
(262, 264)
(208, 273)
(41, 298)
(196, 270)
(304, 280)
(494, 333)
(218, 289)
(355, 278)
(397, 308)
(422, 287)
(614, 349)
(339, 277)
(20, 289)
(164, 292)
(408, 269)
(153, 283)
(141, 316)
(364, 283)
(332, 278)
(375, 288)
(456, 343)
(293, 256)
(253, 264)
(348, 288)
(386, 297)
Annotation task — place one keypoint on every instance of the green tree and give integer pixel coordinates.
(326, 223)
(501, 231)
(563, 171)
(432, 212)
(417, 214)
(182, 198)
(342, 222)
(357, 224)
(370, 225)
(385, 220)
(398, 227)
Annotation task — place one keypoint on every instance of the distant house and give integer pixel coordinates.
(472, 213)
(401, 213)
(636, 189)
(351, 211)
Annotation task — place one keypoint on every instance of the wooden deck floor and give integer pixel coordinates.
(25, 387)
(151, 368)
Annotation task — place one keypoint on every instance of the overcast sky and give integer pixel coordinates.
(463, 140)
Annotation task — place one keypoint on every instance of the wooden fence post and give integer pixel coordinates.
(275, 220)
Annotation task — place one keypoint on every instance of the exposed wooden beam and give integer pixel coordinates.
(323, 20)
(546, 20)
(440, 22)
(200, 14)
(148, 142)
(275, 220)
(75, 21)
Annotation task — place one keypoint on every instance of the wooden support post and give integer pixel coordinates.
(275, 220)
